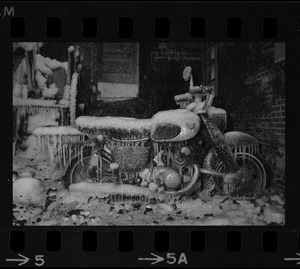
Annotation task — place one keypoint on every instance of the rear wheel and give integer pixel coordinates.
(252, 168)
(91, 168)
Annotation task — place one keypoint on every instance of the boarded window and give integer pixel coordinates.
(119, 71)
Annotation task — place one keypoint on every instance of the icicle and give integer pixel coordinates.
(70, 153)
(81, 153)
(63, 155)
(169, 155)
(99, 172)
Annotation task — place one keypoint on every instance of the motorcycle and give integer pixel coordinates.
(176, 152)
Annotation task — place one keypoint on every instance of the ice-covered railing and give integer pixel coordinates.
(62, 143)
(43, 68)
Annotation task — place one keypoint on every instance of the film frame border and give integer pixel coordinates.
(179, 14)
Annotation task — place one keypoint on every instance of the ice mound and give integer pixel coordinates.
(29, 190)
(274, 214)
(42, 119)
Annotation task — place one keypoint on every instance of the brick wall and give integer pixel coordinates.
(267, 124)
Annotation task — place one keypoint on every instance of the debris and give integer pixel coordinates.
(277, 198)
(165, 207)
(85, 213)
(52, 206)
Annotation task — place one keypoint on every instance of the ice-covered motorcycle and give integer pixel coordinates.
(177, 152)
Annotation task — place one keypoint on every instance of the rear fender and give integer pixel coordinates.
(240, 141)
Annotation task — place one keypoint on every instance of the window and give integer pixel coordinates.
(119, 71)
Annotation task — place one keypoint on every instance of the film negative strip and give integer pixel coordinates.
(150, 134)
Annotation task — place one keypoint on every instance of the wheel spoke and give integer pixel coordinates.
(252, 169)
(81, 171)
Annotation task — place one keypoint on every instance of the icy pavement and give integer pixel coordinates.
(267, 208)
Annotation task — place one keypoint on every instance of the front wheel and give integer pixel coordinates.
(89, 168)
(252, 168)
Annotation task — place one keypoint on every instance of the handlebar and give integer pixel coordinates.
(201, 89)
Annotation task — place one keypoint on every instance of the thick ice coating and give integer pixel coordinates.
(188, 121)
(59, 130)
(113, 122)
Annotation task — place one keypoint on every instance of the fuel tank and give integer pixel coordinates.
(174, 125)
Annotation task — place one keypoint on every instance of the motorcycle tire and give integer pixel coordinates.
(253, 170)
(80, 170)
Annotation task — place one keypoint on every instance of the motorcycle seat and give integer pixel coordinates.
(117, 127)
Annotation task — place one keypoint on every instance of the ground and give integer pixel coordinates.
(60, 208)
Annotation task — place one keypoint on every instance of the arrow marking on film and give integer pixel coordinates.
(294, 259)
(23, 260)
(155, 260)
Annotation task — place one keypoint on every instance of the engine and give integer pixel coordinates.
(164, 165)
(175, 158)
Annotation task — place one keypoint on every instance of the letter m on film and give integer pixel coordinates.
(9, 11)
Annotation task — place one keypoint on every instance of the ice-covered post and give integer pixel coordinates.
(73, 93)
(28, 69)
(71, 63)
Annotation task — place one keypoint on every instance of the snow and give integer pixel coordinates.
(50, 92)
(218, 222)
(274, 215)
(41, 64)
(191, 106)
(100, 137)
(64, 102)
(25, 174)
(242, 140)
(71, 48)
(73, 93)
(28, 46)
(17, 90)
(32, 102)
(100, 189)
(66, 95)
(41, 80)
(31, 148)
(24, 91)
(183, 97)
(36, 102)
(59, 130)
(114, 166)
(214, 110)
(188, 121)
(42, 119)
(29, 190)
(74, 81)
(91, 204)
(113, 122)
(45, 65)
(196, 107)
